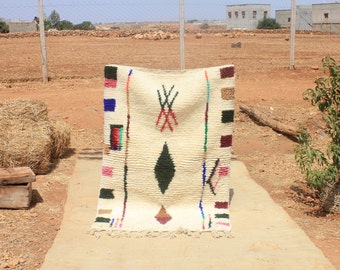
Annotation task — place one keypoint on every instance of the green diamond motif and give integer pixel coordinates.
(164, 169)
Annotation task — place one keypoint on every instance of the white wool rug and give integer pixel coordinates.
(166, 160)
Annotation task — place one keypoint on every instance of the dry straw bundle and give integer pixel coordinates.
(28, 137)
(61, 138)
(35, 110)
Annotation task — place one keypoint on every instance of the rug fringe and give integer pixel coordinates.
(160, 234)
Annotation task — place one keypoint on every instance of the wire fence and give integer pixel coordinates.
(104, 11)
(84, 53)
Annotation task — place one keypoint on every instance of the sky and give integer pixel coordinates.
(108, 11)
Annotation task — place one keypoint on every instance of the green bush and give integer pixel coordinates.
(84, 26)
(4, 28)
(64, 25)
(268, 23)
(47, 24)
(322, 168)
(53, 22)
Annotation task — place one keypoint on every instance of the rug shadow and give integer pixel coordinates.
(231, 195)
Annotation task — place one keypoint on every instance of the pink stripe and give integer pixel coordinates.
(110, 83)
(223, 223)
(107, 171)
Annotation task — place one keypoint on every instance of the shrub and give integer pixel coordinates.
(84, 26)
(64, 25)
(268, 23)
(322, 168)
(47, 24)
(4, 28)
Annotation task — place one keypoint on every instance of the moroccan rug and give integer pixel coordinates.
(167, 152)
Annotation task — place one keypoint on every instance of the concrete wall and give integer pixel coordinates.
(283, 17)
(303, 17)
(326, 17)
(22, 26)
(327, 27)
(246, 16)
(320, 11)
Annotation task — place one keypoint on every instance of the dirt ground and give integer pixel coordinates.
(75, 93)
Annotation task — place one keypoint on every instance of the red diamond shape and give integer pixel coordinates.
(163, 217)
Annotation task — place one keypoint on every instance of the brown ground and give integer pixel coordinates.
(75, 95)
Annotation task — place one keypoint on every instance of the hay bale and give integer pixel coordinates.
(25, 142)
(61, 138)
(28, 137)
(35, 110)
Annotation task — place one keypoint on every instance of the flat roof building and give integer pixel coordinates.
(246, 16)
(326, 17)
(303, 17)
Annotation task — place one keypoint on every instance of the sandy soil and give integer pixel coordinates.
(74, 94)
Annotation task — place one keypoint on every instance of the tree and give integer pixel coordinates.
(268, 23)
(4, 28)
(54, 19)
(64, 25)
(84, 26)
(47, 24)
(322, 168)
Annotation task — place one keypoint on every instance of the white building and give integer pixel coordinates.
(326, 17)
(304, 19)
(246, 16)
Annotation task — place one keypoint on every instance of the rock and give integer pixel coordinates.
(4, 265)
(138, 36)
(236, 45)
(13, 262)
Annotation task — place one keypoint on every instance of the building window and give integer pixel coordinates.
(289, 19)
(326, 15)
(254, 14)
(265, 14)
(229, 15)
(243, 14)
(236, 14)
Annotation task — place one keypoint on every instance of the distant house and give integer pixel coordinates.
(246, 16)
(22, 26)
(326, 17)
(304, 19)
